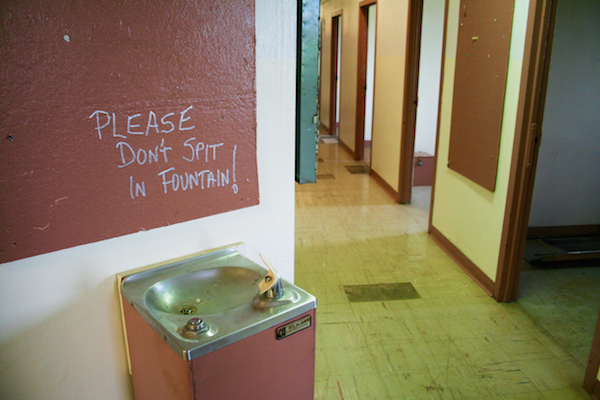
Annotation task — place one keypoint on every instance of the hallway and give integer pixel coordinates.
(454, 342)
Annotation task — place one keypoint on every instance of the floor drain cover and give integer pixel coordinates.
(187, 310)
(358, 169)
(381, 292)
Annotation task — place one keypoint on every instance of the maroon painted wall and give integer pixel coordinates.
(121, 116)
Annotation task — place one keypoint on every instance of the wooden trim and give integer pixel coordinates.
(361, 79)
(366, 3)
(463, 261)
(590, 382)
(333, 76)
(411, 87)
(557, 231)
(390, 190)
(532, 94)
(439, 119)
(596, 393)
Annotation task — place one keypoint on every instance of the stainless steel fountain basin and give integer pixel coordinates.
(204, 292)
(221, 289)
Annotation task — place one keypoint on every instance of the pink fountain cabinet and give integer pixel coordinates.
(261, 349)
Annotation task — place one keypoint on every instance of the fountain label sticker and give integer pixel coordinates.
(293, 327)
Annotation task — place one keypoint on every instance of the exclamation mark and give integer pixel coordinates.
(234, 187)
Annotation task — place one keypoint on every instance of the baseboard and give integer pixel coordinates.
(323, 129)
(590, 381)
(390, 190)
(346, 148)
(463, 261)
(557, 231)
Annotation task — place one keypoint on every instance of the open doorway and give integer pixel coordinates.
(561, 98)
(367, 22)
(428, 92)
(335, 84)
(560, 277)
(562, 101)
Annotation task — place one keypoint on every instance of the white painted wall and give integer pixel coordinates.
(60, 329)
(567, 183)
(432, 36)
(371, 30)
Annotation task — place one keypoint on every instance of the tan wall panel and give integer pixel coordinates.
(390, 60)
(387, 119)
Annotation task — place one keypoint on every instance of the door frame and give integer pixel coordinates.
(336, 20)
(590, 382)
(410, 102)
(536, 65)
(530, 114)
(308, 43)
(361, 80)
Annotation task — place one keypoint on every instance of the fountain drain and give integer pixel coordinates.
(187, 310)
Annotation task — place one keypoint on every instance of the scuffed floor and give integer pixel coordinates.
(454, 342)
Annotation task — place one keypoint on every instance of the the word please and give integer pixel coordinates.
(139, 124)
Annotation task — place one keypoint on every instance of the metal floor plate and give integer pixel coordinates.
(358, 169)
(381, 292)
(576, 244)
(562, 249)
